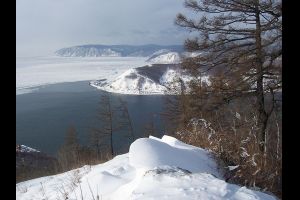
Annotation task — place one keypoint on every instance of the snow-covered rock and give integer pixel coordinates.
(153, 169)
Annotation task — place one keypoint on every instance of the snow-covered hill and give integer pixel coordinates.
(130, 82)
(153, 169)
(165, 57)
(147, 80)
(115, 50)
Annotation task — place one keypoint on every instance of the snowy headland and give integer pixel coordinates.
(154, 69)
(38, 71)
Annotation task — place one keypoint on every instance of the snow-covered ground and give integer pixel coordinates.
(153, 169)
(165, 57)
(23, 148)
(37, 71)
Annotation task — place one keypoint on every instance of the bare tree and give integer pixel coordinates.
(69, 153)
(112, 118)
(103, 135)
(178, 109)
(170, 113)
(240, 45)
(124, 120)
(149, 128)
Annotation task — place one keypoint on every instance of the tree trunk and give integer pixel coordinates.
(262, 115)
(111, 130)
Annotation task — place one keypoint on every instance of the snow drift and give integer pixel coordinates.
(153, 169)
(148, 154)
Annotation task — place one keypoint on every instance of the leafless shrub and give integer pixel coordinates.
(231, 134)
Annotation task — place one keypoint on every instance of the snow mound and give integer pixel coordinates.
(149, 153)
(153, 169)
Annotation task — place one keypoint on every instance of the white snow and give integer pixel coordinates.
(232, 167)
(192, 54)
(145, 153)
(171, 76)
(161, 51)
(37, 71)
(131, 82)
(23, 148)
(165, 58)
(153, 169)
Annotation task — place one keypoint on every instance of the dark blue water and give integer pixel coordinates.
(44, 116)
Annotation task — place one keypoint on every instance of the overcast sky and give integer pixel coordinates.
(44, 26)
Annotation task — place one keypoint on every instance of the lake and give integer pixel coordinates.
(43, 117)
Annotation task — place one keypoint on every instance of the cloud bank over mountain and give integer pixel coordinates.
(44, 26)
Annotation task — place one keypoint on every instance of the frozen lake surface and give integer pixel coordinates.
(36, 71)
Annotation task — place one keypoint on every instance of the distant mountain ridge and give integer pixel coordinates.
(95, 50)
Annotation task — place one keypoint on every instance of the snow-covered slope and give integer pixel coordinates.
(130, 82)
(153, 169)
(165, 57)
(23, 148)
(147, 80)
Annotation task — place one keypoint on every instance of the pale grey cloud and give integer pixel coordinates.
(46, 25)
